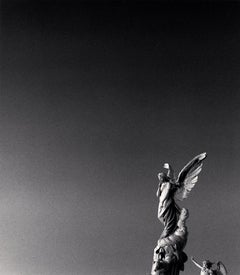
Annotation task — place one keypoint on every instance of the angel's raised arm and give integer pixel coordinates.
(198, 265)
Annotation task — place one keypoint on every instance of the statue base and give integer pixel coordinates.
(168, 256)
(171, 264)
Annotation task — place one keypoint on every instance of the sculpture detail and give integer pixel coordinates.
(207, 268)
(170, 188)
(169, 257)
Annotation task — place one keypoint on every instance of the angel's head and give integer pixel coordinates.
(163, 177)
(207, 264)
(184, 214)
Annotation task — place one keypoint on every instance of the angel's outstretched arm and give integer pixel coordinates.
(198, 265)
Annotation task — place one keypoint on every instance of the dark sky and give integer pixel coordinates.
(95, 97)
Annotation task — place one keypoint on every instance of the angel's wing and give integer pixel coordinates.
(221, 269)
(188, 176)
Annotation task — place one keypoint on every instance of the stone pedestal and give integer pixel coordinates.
(168, 256)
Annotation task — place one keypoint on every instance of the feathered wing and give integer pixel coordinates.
(188, 176)
(221, 269)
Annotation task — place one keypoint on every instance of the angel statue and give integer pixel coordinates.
(170, 188)
(168, 257)
(207, 268)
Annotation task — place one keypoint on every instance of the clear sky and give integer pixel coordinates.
(95, 97)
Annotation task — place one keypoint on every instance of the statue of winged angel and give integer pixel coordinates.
(171, 188)
(207, 268)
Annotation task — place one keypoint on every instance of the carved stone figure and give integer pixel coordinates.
(169, 257)
(207, 268)
(169, 188)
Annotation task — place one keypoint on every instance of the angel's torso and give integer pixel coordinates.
(171, 191)
(169, 198)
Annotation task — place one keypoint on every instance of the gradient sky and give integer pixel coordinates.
(95, 97)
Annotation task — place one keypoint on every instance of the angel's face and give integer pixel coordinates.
(161, 177)
(207, 264)
(204, 264)
(184, 214)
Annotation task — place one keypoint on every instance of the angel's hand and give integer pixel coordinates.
(166, 166)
